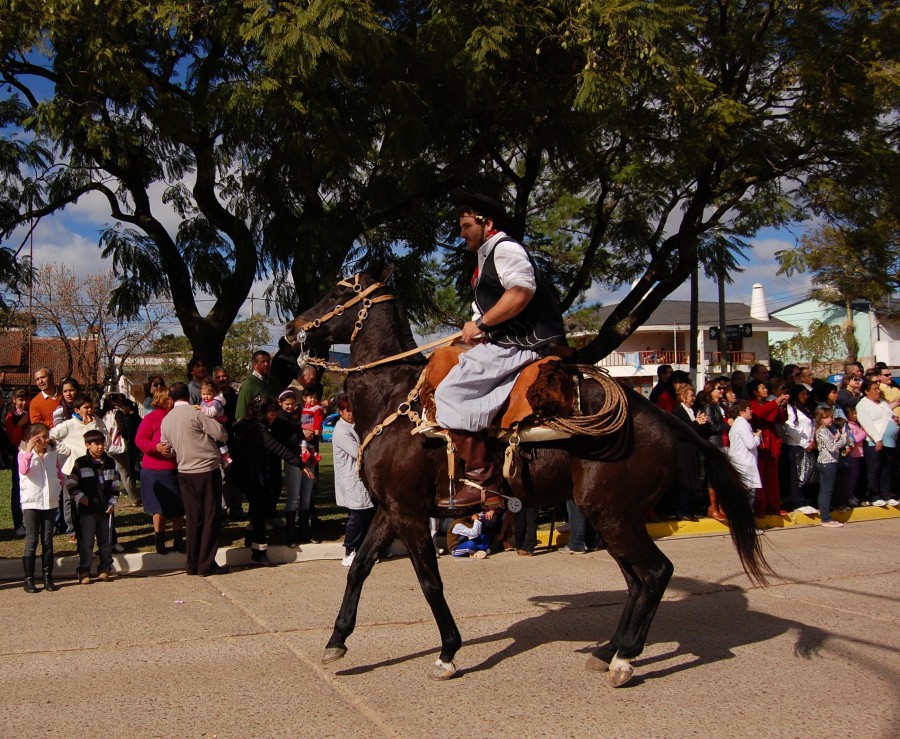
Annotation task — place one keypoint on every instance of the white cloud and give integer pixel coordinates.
(761, 267)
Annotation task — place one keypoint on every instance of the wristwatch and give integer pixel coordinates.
(481, 327)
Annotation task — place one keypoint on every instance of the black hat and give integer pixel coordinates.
(481, 204)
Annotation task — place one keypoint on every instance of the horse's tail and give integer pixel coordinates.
(735, 499)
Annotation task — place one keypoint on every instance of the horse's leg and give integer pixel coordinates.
(417, 539)
(600, 658)
(380, 534)
(647, 571)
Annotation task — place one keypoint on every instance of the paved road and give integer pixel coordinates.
(817, 654)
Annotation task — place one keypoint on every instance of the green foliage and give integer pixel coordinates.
(300, 141)
(244, 338)
(819, 343)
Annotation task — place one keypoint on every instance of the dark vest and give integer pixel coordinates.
(539, 325)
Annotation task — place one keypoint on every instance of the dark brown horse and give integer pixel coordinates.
(614, 482)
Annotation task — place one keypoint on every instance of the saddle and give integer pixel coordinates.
(543, 390)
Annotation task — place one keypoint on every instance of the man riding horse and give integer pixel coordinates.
(516, 319)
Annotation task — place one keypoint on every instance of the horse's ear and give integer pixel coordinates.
(385, 273)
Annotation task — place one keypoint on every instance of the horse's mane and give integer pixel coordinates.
(407, 339)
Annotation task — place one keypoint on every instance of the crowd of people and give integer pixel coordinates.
(803, 445)
(174, 457)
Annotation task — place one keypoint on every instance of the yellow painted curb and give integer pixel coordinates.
(662, 529)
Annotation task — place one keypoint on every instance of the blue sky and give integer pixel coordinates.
(71, 237)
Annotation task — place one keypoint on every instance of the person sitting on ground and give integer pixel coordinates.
(93, 486)
(466, 539)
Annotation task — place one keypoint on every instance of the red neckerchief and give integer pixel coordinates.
(493, 232)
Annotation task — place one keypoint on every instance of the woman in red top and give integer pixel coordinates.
(766, 413)
(160, 494)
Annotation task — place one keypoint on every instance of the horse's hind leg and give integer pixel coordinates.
(417, 539)
(380, 534)
(647, 571)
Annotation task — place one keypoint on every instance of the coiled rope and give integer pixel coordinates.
(607, 420)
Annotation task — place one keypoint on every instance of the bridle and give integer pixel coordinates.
(361, 295)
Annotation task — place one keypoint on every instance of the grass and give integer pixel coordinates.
(136, 531)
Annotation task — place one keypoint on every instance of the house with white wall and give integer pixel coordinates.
(877, 334)
(665, 339)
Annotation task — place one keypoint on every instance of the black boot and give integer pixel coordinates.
(160, 537)
(260, 557)
(290, 524)
(178, 542)
(28, 565)
(304, 535)
(47, 561)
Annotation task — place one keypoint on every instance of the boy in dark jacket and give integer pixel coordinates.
(94, 486)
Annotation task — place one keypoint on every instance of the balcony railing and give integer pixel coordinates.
(648, 358)
(635, 359)
(733, 357)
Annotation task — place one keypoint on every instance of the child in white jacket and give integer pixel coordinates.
(40, 483)
(743, 442)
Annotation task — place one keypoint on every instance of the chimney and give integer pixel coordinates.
(758, 309)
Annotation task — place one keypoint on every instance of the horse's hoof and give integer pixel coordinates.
(595, 664)
(442, 670)
(620, 672)
(332, 654)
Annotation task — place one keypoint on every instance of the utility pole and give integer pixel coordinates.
(723, 328)
(693, 342)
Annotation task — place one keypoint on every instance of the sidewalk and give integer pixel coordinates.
(142, 562)
(813, 655)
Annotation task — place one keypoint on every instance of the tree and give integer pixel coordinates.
(244, 338)
(277, 149)
(686, 123)
(819, 343)
(304, 139)
(76, 310)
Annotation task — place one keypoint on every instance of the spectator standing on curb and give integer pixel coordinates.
(663, 393)
(582, 536)
(15, 425)
(94, 487)
(159, 476)
(259, 385)
(349, 491)
(47, 399)
(195, 440)
(253, 443)
(197, 373)
(40, 483)
(830, 442)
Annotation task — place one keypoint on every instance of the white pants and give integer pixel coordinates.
(476, 388)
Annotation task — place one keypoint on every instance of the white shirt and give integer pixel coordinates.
(798, 429)
(513, 266)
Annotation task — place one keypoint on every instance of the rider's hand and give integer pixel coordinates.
(471, 334)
